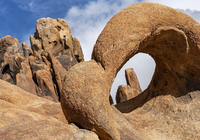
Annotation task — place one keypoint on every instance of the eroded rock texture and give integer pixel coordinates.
(132, 89)
(9, 48)
(38, 71)
(54, 36)
(169, 107)
(41, 68)
(26, 116)
(81, 83)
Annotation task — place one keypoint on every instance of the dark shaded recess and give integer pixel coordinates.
(6, 69)
(56, 87)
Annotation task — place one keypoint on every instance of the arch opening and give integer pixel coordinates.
(143, 66)
(177, 70)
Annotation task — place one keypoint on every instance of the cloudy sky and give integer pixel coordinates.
(87, 18)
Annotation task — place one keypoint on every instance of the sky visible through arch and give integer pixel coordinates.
(87, 18)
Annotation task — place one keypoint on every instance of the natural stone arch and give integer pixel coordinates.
(133, 78)
(169, 36)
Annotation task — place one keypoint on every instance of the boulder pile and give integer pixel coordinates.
(47, 91)
(41, 68)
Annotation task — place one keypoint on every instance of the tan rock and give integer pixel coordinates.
(36, 45)
(44, 129)
(10, 70)
(59, 73)
(126, 127)
(172, 39)
(44, 75)
(54, 35)
(26, 116)
(45, 85)
(132, 89)
(24, 77)
(124, 93)
(85, 101)
(9, 46)
(78, 53)
(26, 50)
(12, 96)
(43, 78)
(111, 100)
(167, 109)
(168, 117)
(131, 79)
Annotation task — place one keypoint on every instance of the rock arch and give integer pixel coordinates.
(169, 36)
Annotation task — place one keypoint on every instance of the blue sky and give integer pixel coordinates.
(18, 17)
(87, 19)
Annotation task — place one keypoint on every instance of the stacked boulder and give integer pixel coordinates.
(40, 69)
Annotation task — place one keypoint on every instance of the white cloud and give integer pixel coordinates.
(190, 7)
(179, 4)
(88, 21)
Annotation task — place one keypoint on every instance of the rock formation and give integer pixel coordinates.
(9, 47)
(168, 108)
(27, 50)
(54, 36)
(26, 116)
(132, 89)
(53, 68)
(41, 68)
(91, 113)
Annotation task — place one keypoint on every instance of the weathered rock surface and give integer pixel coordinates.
(81, 83)
(44, 129)
(36, 70)
(172, 39)
(24, 77)
(26, 50)
(132, 81)
(8, 47)
(126, 128)
(12, 96)
(43, 78)
(53, 36)
(124, 93)
(78, 54)
(26, 116)
(66, 61)
(59, 73)
(168, 109)
(132, 89)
